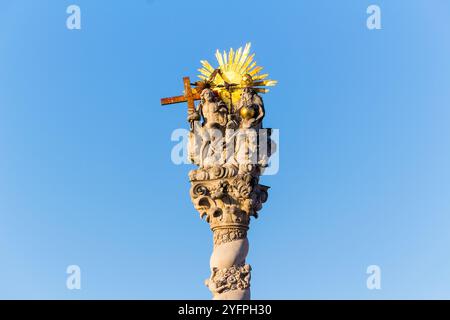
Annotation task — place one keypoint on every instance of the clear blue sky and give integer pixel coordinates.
(85, 170)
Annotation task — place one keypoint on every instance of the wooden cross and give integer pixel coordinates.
(190, 96)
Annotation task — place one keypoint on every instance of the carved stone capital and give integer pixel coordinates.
(228, 202)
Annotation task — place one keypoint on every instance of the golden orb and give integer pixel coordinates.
(247, 113)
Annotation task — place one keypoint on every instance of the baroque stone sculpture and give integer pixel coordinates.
(231, 148)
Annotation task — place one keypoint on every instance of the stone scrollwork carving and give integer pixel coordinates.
(228, 234)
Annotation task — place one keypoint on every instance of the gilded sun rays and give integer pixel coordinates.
(236, 70)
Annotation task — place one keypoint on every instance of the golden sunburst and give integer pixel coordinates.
(236, 71)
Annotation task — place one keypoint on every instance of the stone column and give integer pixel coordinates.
(231, 149)
(227, 200)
